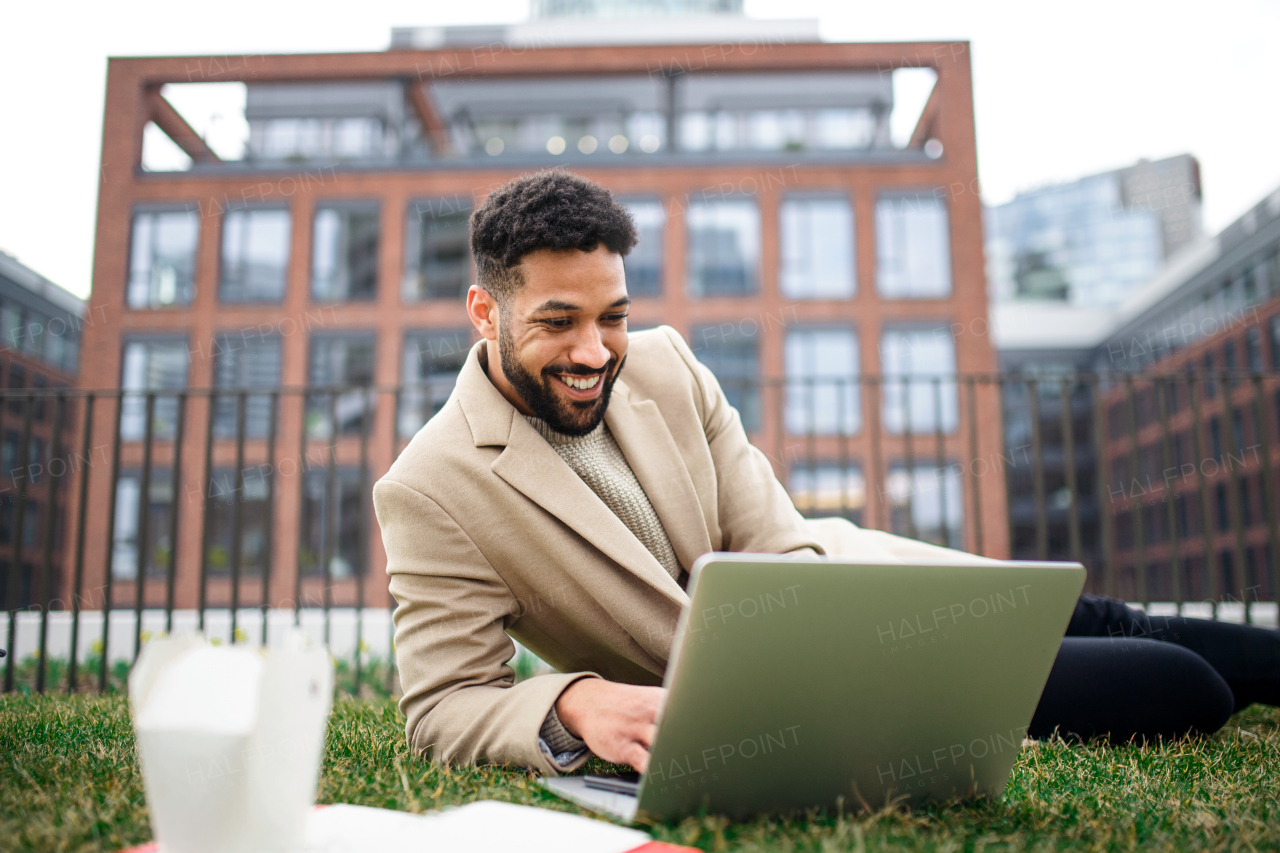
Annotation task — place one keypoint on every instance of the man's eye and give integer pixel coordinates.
(615, 318)
(557, 322)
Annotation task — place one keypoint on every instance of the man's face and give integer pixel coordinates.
(562, 338)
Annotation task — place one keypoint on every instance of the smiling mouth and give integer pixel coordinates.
(579, 383)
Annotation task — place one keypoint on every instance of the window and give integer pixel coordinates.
(255, 255)
(1215, 438)
(1253, 350)
(344, 253)
(62, 344)
(732, 354)
(437, 255)
(824, 489)
(245, 361)
(11, 324)
(1275, 342)
(343, 361)
(16, 380)
(913, 247)
(724, 248)
(337, 532)
(644, 264)
(220, 518)
(823, 392)
(1210, 383)
(162, 258)
(817, 248)
(1229, 362)
(313, 138)
(125, 556)
(32, 339)
(919, 366)
(432, 360)
(152, 365)
(928, 499)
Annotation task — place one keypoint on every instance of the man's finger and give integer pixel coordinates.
(637, 757)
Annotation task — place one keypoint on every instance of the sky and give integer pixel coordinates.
(1060, 90)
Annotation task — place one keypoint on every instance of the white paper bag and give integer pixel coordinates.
(230, 740)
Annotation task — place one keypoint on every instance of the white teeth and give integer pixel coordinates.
(580, 384)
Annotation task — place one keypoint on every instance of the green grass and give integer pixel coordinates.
(69, 781)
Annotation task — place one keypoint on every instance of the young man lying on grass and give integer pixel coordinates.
(575, 474)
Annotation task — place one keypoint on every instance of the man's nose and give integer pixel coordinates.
(589, 349)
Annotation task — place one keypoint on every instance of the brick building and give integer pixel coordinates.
(1194, 429)
(40, 328)
(784, 230)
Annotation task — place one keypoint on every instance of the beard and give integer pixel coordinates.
(570, 417)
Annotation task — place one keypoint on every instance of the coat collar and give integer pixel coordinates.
(532, 467)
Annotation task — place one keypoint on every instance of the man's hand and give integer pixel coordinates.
(615, 720)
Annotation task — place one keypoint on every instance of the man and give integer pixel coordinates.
(565, 489)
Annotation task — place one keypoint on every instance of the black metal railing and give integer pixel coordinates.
(240, 512)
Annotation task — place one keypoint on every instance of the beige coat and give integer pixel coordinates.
(490, 535)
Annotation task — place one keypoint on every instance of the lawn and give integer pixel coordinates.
(69, 781)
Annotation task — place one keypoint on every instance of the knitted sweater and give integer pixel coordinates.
(597, 459)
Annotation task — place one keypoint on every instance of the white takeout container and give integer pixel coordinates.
(230, 740)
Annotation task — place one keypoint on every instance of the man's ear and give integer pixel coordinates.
(482, 308)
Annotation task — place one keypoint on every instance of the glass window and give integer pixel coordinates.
(62, 343)
(11, 324)
(432, 360)
(152, 365)
(817, 250)
(822, 369)
(1275, 341)
(32, 338)
(339, 361)
(220, 518)
(125, 557)
(245, 361)
(1253, 350)
(732, 355)
(319, 525)
(255, 255)
(824, 489)
(16, 379)
(162, 258)
(1229, 362)
(913, 247)
(344, 253)
(644, 264)
(919, 367)
(927, 499)
(437, 255)
(724, 248)
(844, 128)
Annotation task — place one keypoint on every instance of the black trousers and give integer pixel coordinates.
(1121, 674)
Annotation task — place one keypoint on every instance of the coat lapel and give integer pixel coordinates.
(651, 451)
(530, 465)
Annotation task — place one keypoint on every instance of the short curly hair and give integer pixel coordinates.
(551, 209)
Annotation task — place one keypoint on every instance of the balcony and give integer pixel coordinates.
(662, 117)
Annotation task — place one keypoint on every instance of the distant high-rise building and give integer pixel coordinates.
(1089, 243)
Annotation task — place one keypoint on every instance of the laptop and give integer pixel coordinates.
(800, 682)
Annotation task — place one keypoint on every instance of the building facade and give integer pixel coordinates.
(1155, 425)
(298, 312)
(1193, 430)
(40, 329)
